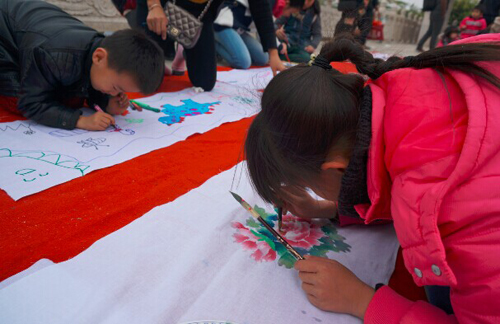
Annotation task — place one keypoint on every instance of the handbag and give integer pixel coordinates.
(429, 5)
(183, 26)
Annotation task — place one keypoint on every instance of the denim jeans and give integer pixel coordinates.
(240, 50)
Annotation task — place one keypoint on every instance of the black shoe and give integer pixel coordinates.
(420, 50)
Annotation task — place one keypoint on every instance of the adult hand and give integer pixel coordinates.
(309, 49)
(157, 20)
(96, 122)
(275, 61)
(118, 104)
(300, 203)
(332, 287)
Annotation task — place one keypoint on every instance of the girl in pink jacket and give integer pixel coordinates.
(420, 145)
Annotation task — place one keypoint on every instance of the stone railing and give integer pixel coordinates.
(103, 16)
(98, 14)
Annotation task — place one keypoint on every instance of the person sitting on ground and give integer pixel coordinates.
(450, 35)
(50, 62)
(473, 24)
(234, 43)
(300, 34)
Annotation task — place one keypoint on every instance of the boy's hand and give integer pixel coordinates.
(309, 49)
(284, 49)
(96, 122)
(300, 203)
(157, 21)
(118, 104)
(332, 287)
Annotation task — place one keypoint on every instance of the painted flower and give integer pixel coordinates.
(251, 241)
(306, 236)
(301, 232)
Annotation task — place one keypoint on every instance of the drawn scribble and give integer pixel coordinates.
(134, 120)
(245, 100)
(55, 159)
(68, 133)
(118, 129)
(29, 132)
(20, 126)
(177, 114)
(93, 142)
(29, 172)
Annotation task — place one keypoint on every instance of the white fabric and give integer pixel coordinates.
(253, 79)
(180, 263)
(35, 157)
(39, 265)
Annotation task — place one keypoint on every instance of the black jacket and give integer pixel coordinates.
(45, 59)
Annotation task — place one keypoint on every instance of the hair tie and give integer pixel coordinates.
(320, 61)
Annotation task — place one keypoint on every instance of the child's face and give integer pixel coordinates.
(476, 14)
(108, 80)
(308, 4)
(288, 11)
(327, 184)
(454, 36)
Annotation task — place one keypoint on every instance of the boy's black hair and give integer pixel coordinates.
(132, 51)
(309, 112)
(296, 3)
(480, 8)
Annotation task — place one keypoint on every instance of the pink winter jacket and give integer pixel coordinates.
(434, 169)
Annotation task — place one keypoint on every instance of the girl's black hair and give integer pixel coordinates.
(309, 112)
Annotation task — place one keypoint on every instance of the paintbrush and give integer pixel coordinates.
(280, 218)
(280, 238)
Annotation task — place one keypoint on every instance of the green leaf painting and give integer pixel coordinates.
(306, 236)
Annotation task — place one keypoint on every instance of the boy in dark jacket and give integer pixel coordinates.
(300, 33)
(49, 59)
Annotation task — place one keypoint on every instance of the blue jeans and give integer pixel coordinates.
(239, 50)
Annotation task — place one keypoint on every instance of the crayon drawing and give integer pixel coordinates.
(137, 133)
(58, 160)
(306, 236)
(177, 114)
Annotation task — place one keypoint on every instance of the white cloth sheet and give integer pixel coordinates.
(34, 157)
(183, 262)
(253, 79)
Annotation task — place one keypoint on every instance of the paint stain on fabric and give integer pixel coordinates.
(189, 108)
(134, 120)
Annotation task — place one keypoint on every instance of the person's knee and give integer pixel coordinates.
(240, 60)
(261, 60)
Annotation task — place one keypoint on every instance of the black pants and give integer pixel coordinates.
(365, 26)
(434, 30)
(489, 19)
(200, 60)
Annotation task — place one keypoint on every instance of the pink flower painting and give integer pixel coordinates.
(306, 236)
